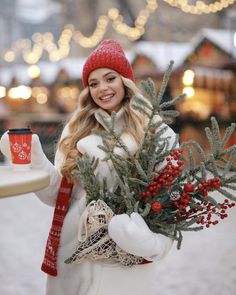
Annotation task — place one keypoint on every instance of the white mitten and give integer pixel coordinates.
(38, 158)
(38, 161)
(134, 236)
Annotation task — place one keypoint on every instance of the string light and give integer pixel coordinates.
(20, 91)
(33, 71)
(2, 91)
(200, 7)
(133, 33)
(189, 91)
(32, 50)
(188, 78)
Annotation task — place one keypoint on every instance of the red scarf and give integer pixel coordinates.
(49, 264)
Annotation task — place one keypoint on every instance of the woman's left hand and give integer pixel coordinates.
(132, 234)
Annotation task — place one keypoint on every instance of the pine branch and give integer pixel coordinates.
(229, 131)
(165, 81)
(86, 174)
(170, 190)
(172, 102)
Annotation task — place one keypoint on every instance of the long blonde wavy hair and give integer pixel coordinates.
(83, 121)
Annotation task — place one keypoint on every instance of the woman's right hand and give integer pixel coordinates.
(38, 157)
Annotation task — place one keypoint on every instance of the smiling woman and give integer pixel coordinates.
(107, 89)
(108, 86)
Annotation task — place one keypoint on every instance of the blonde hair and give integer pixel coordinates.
(83, 121)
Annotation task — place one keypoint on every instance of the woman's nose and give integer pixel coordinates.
(103, 85)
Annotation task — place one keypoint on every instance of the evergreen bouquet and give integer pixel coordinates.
(164, 183)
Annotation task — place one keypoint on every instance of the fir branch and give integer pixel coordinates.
(229, 163)
(146, 210)
(138, 181)
(140, 170)
(198, 149)
(212, 161)
(140, 102)
(230, 186)
(227, 194)
(149, 87)
(194, 228)
(192, 163)
(142, 110)
(164, 83)
(229, 150)
(188, 223)
(127, 195)
(216, 135)
(229, 131)
(169, 113)
(172, 102)
(138, 178)
(86, 173)
(209, 136)
(212, 201)
(203, 170)
(180, 239)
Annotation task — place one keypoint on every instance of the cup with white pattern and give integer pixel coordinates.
(20, 147)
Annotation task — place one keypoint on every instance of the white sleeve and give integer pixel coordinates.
(49, 194)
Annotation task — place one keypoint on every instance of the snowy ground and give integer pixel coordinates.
(206, 264)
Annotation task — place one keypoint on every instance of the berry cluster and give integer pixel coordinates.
(210, 185)
(204, 212)
(189, 191)
(183, 201)
(164, 180)
(208, 210)
(183, 198)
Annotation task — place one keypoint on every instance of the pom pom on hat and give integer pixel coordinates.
(108, 54)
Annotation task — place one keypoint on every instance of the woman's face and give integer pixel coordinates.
(106, 89)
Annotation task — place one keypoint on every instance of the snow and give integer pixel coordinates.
(161, 53)
(224, 39)
(206, 263)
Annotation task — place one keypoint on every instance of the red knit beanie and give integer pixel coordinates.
(108, 54)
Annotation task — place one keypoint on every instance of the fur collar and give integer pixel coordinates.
(119, 118)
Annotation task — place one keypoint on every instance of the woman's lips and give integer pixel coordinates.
(106, 97)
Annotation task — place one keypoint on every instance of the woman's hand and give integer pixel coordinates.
(38, 157)
(132, 234)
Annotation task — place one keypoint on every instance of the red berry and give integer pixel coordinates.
(156, 206)
(188, 187)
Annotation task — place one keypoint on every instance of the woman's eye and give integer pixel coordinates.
(92, 85)
(110, 79)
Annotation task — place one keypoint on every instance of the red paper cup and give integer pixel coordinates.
(20, 146)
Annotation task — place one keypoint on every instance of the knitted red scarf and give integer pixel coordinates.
(49, 264)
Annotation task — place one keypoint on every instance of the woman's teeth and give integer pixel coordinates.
(106, 97)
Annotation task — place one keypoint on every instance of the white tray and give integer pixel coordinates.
(14, 183)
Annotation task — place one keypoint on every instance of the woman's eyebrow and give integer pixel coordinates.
(95, 79)
(109, 73)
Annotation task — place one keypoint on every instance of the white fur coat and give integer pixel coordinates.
(90, 277)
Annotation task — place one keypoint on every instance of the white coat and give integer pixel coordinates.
(93, 277)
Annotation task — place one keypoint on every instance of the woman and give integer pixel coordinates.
(108, 86)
